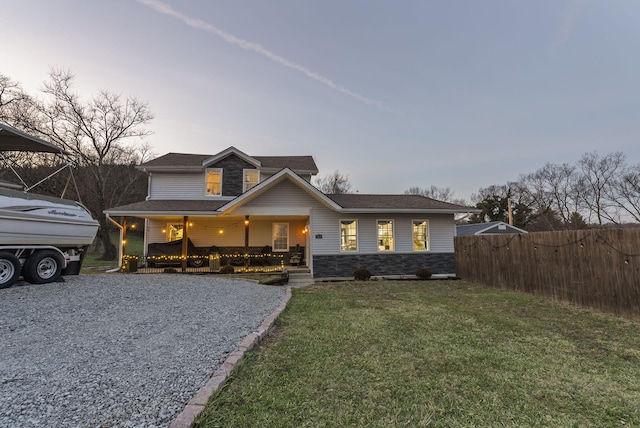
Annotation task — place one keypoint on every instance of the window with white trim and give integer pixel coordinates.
(251, 179)
(280, 237)
(174, 231)
(385, 235)
(348, 235)
(214, 181)
(420, 235)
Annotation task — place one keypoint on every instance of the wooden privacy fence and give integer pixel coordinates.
(594, 268)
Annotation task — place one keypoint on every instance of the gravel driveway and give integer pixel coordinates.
(119, 350)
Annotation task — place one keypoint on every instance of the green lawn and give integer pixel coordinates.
(135, 246)
(434, 353)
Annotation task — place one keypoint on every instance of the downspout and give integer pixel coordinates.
(120, 247)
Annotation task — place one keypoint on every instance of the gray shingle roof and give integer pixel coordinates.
(360, 201)
(296, 163)
(176, 206)
(347, 201)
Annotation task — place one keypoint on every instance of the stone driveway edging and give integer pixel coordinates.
(196, 405)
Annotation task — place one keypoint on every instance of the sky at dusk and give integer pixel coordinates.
(394, 94)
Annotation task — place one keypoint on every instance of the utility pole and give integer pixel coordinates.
(509, 210)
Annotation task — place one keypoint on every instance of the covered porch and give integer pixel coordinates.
(201, 243)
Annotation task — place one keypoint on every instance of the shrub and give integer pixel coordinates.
(423, 273)
(227, 269)
(362, 274)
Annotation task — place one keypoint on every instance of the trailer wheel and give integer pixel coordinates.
(42, 267)
(9, 269)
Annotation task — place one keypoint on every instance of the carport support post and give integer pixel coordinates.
(185, 240)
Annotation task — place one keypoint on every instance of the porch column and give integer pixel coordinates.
(246, 241)
(123, 241)
(185, 240)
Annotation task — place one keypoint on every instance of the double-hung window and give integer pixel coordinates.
(385, 235)
(174, 231)
(280, 237)
(214, 182)
(420, 235)
(348, 235)
(251, 179)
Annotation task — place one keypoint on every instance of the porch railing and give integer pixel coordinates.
(268, 262)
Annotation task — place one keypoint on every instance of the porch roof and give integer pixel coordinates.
(347, 202)
(169, 207)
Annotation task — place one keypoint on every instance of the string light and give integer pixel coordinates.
(231, 258)
(597, 238)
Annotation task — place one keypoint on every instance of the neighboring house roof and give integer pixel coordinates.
(492, 227)
(195, 161)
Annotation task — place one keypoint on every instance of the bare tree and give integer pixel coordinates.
(494, 203)
(598, 174)
(333, 183)
(10, 92)
(101, 132)
(552, 187)
(626, 192)
(444, 194)
(15, 104)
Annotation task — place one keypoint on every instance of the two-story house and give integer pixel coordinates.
(231, 201)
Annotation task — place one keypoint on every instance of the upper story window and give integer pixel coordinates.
(348, 235)
(385, 235)
(214, 182)
(251, 179)
(420, 235)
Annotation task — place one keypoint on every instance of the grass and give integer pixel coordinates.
(92, 264)
(434, 353)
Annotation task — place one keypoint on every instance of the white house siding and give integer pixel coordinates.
(286, 202)
(176, 186)
(325, 222)
(184, 186)
(285, 197)
(329, 262)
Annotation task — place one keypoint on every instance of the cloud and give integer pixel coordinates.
(259, 49)
(567, 24)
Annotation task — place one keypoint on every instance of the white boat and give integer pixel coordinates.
(41, 237)
(30, 219)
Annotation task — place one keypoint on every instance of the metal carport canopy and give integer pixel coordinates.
(12, 139)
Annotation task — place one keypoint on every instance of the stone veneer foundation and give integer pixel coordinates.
(343, 265)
